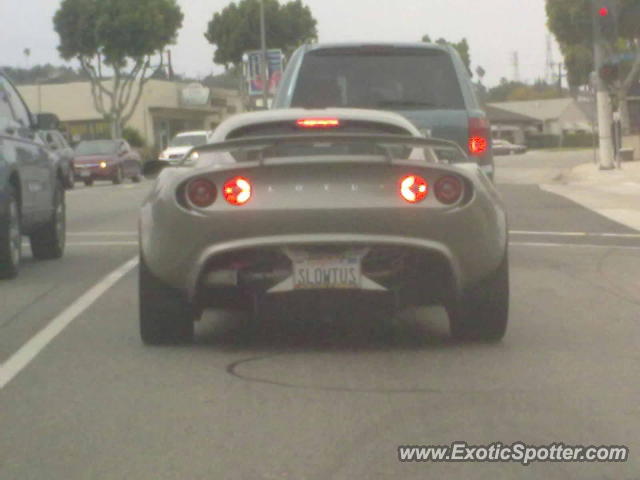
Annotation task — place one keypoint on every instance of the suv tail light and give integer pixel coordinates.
(201, 192)
(479, 132)
(318, 123)
(414, 188)
(237, 191)
(449, 189)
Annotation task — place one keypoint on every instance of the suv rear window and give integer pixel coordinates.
(378, 78)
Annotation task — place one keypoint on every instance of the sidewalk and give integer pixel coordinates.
(612, 193)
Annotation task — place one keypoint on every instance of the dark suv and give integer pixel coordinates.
(31, 186)
(428, 84)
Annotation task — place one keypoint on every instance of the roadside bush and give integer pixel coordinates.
(579, 140)
(571, 140)
(134, 137)
(543, 141)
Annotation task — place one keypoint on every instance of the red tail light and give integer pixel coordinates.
(479, 132)
(449, 190)
(414, 188)
(201, 192)
(237, 191)
(318, 123)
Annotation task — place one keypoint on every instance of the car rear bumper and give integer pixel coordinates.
(84, 173)
(462, 244)
(215, 262)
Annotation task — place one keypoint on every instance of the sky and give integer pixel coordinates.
(495, 29)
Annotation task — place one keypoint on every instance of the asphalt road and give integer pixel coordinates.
(323, 401)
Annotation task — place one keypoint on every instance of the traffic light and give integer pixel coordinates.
(606, 13)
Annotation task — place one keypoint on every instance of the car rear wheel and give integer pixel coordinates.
(166, 316)
(118, 176)
(483, 313)
(48, 241)
(88, 182)
(11, 238)
(136, 178)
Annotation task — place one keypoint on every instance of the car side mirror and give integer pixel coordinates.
(152, 168)
(33, 118)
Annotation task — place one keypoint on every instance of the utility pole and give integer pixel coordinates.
(560, 77)
(603, 99)
(548, 76)
(170, 65)
(515, 62)
(27, 55)
(264, 67)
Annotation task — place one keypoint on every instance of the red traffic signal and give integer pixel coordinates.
(606, 15)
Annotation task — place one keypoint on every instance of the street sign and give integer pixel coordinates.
(253, 78)
(195, 95)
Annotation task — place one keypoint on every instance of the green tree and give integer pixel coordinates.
(462, 47)
(517, 91)
(123, 36)
(43, 74)
(571, 23)
(236, 29)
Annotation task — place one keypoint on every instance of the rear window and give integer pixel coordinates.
(384, 78)
(188, 140)
(97, 147)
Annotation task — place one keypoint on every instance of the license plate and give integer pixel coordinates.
(327, 272)
(85, 173)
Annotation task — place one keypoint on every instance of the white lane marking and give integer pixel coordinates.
(96, 244)
(106, 234)
(576, 234)
(102, 244)
(23, 357)
(78, 191)
(513, 232)
(570, 245)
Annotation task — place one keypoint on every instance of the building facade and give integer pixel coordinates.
(165, 109)
(517, 121)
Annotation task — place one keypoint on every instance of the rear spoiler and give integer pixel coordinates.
(276, 140)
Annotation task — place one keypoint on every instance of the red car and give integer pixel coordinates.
(112, 160)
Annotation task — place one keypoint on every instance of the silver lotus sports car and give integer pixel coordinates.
(306, 204)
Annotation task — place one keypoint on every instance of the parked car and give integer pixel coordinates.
(182, 143)
(32, 193)
(112, 160)
(63, 153)
(322, 206)
(428, 84)
(503, 147)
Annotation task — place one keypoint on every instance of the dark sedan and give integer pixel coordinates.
(112, 160)
(32, 197)
(503, 147)
(63, 153)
